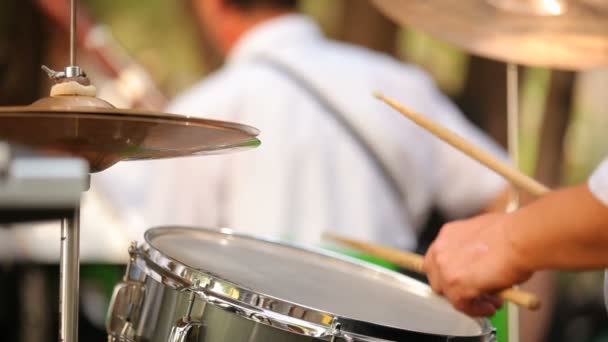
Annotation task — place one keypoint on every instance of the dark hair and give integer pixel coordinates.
(249, 4)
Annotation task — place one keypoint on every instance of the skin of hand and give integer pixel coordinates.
(472, 259)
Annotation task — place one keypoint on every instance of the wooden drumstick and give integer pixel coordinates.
(518, 178)
(414, 262)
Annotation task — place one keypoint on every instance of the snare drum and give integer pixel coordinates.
(188, 284)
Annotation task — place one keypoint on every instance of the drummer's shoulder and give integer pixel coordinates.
(379, 62)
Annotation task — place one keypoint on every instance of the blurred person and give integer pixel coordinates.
(332, 156)
(566, 229)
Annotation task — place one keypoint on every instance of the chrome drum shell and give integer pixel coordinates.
(162, 299)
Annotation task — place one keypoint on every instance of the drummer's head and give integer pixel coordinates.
(227, 20)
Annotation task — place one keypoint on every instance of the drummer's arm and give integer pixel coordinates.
(567, 229)
(532, 324)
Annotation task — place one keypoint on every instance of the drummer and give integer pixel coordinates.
(332, 157)
(566, 229)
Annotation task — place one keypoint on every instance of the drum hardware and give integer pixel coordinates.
(186, 329)
(561, 34)
(73, 122)
(69, 274)
(36, 187)
(130, 79)
(267, 315)
(132, 256)
(126, 303)
(513, 149)
(196, 280)
(93, 129)
(336, 332)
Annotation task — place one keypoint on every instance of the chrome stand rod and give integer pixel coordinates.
(513, 146)
(69, 268)
(69, 258)
(72, 32)
(513, 120)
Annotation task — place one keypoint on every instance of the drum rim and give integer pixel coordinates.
(266, 309)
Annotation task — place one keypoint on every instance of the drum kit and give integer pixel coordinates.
(186, 284)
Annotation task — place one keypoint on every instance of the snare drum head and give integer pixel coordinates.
(315, 279)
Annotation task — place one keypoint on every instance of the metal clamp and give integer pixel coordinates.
(125, 309)
(74, 71)
(125, 306)
(186, 329)
(335, 331)
(69, 72)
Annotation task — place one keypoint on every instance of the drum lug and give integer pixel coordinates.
(133, 273)
(335, 331)
(492, 337)
(186, 329)
(125, 305)
(124, 310)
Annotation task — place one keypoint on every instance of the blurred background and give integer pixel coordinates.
(563, 136)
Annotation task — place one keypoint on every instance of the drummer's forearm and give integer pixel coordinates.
(566, 229)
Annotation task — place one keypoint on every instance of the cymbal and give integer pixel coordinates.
(563, 34)
(93, 129)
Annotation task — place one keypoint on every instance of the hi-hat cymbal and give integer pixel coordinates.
(563, 34)
(92, 129)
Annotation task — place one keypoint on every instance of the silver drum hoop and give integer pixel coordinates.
(268, 310)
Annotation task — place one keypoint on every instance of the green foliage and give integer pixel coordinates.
(327, 13)
(159, 33)
(446, 63)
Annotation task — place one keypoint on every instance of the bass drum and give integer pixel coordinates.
(187, 284)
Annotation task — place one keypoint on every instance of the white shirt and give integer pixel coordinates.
(309, 175)
(598, 184)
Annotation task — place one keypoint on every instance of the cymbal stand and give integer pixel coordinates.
(513, 147)
(69, 258)
(69, 268)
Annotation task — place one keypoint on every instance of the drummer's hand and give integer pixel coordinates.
(472, 259)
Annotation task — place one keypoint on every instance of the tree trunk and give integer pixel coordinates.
(556, 120)
(22, 45)
(484, 99)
